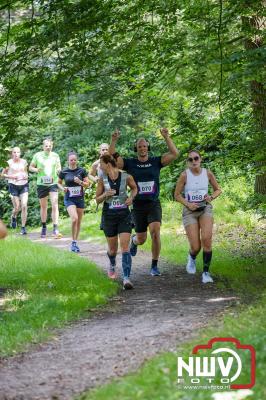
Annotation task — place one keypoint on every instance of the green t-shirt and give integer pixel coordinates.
(50, 165)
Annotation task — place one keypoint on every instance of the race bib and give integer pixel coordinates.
(146, 187)
(47, 180)
(196, 196)
(75, 191)
(117, 205)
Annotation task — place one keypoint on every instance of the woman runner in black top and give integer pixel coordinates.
(76, 179)
(116, 219)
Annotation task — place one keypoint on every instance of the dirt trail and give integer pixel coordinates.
(158, 314)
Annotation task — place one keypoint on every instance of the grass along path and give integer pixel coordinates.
(173, 308)
(137, 325)
(239, 263)
(43, 288)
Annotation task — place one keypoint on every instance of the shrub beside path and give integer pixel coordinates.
(159, 314)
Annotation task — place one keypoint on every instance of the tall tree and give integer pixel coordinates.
(254, 26)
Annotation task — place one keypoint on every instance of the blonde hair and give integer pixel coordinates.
(47, 140)
(14, 148)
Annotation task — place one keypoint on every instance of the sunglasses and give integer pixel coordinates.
(191, 159)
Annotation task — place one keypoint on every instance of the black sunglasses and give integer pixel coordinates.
(191, 159)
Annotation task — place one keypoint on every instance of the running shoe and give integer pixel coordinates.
(77, 248)
(111, 272)
(56, 234)
(43, 232)
(13, 223)
(133, 247)
(206, 278)
(23, 231)
(191, 265)
(155, 271)
(127, 285)
(73, 247)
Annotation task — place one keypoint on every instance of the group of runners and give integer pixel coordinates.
(129, 189)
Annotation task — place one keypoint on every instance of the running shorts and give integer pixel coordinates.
(114, 223)
(191, 217)
(146, 214)
(74, 201)
(43, 191)
(17, 190)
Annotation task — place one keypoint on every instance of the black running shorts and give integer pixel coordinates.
(114, 223)
(145, 214)
(43, 191)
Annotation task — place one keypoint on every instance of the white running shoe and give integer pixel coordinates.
(191, 265)
(206, 278)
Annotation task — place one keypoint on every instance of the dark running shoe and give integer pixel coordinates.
(133, 247)
(127, 285)
(155, 271)
(13, 223)
(43, 233)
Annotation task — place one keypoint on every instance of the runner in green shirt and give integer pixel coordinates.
(47, 165)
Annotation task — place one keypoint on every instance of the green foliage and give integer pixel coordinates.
(77, 70)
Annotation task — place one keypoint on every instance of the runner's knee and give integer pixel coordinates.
(74, 219)
(124, 247)
(24, 208)
(112, 251)
(195, 249)
(141, 239)
(16, 209)
(54, 203)
(155, 234)
(207, 244)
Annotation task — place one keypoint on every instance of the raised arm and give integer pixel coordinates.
(172, 154)
(112, 148)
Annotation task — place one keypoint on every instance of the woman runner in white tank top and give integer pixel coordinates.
(18, 187)
(197, 211)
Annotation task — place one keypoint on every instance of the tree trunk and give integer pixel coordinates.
(258, 95)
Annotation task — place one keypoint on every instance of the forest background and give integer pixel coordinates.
(75, 70)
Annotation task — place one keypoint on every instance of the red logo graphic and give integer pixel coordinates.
(238, 346)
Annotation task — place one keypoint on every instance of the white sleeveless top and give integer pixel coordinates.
(196, 186)
(18, 168)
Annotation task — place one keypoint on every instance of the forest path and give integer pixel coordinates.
(159, 314)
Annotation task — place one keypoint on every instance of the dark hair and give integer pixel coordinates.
(194, 151)
(71, 153)
(107, 158)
